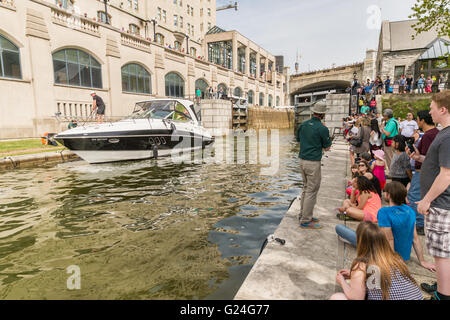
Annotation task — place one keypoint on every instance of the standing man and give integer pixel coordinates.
(409, 126)
(98, 105)
(387, 85)
(402, 84)
(389, 132)
(314, 137)
(409, 82)
(426, 124)
(435, 193)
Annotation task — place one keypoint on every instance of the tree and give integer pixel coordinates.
(432, 14)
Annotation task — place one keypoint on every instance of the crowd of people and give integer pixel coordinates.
(387, 158)
(398, 191)
(404, 84)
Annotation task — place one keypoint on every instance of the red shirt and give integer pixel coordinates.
(424, 144)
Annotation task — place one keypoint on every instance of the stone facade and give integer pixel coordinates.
(39, 29)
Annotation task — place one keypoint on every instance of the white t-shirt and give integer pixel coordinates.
(408, 128)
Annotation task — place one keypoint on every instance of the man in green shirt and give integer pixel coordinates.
(389, 131)
(314, 137)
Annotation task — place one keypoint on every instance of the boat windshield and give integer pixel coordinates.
(161, 109)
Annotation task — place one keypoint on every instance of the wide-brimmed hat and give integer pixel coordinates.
(319, 107)
(379, 154)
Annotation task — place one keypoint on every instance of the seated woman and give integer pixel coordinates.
(377, 273)
(364, 207)
(397, 222)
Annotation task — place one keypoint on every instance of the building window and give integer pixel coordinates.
(221, 53)
(278, 101)
(77, 68)
(134, 29)
(101, 17)
(160, 39)
(9, 59)
(189, 28)
(250, 96)
(193, 51)
(209, 12)
(174, 85)
(270, 100)
(241, 60)
(261, 99)
(135, 4)
(181, 22)
(188, 9)
(159, 14)
(136, 79)
(175, 2)
(253, 65)
(238, 92)
(398, 72)
(177, 45)
(203, 86)
(192, 30)
(175, 20)
(130, 3)
(164, 16)
(209, 26)
(66, 4)
(192, 11)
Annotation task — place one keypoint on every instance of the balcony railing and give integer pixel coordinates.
(75, 21)
(135, 42)
(77, 110)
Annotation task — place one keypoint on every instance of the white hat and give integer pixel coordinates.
(92, 92)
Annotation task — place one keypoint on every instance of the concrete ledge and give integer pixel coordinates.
(36, 159)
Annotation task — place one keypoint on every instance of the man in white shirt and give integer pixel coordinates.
(409, 126)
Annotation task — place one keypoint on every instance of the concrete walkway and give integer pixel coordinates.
(305, 267)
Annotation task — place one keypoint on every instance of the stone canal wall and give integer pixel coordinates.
(32, 160)
(217, 116)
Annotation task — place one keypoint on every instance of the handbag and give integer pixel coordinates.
(357, 142)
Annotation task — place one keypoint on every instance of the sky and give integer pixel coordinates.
(324, 32)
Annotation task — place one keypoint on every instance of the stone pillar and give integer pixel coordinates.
(115, 84)
(235, 52)
(247, 61)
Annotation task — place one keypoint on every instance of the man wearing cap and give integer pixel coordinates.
(389, 132)
(99, 105)
(314, 137)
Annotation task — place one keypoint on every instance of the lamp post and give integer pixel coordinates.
(106, 12)
(154, 22)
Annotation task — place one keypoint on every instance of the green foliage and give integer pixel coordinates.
(401, 105)
(432, 14)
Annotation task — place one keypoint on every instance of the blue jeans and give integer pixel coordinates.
(414, 196)
(420, 86)
(346, 233)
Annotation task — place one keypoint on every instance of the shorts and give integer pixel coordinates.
(101, 110)
(437, 232)
(369, 217)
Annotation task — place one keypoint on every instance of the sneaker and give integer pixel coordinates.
(310, 225)
(312, 219)
(430, 288)
(420, 231)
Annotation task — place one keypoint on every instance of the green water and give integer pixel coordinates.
(139, 230)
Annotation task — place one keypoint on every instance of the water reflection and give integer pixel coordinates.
(139, 230)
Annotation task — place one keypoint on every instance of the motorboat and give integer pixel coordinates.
(155, 128)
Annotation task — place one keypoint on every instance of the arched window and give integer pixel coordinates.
(160, 39)
(77, 68)
(261, 99)
(250, 96)
(278, 101)
(237, 92)
(174, 85)
(224, 88)
(9, 59)
(203, 86)
(177, 45)
(270, 100)
(136, 79)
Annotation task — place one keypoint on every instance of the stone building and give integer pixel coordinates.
(399, 54)
(53, 53)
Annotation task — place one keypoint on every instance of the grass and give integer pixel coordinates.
(402, 104)
(25, 146)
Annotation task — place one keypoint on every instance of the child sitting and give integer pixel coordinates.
(365, 206)
(378, 167)
(355, 173)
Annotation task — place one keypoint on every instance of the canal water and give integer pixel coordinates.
(139, 230)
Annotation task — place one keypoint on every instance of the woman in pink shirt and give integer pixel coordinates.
(363, 207)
